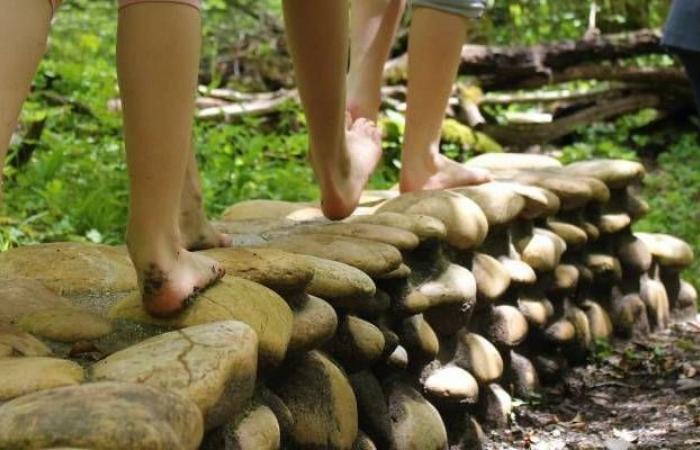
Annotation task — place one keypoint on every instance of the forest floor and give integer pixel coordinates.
(636, 395)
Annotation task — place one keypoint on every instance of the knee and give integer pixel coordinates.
(194, 3)
(466, 8)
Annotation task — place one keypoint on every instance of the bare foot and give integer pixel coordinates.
(342, 176)
(169, 279)
(441, 173)
(199, 234)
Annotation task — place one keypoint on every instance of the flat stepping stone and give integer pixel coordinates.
(358, 343)
(231, 298)
(397, 237)
(112, 416)
(499, 202)
(370, 197)
(373, 258)
(21, 296)
(21, 376)
(315, 323)
(15, 342)
(573, 193)
(271, 209)
(280, 271)
(67, 325)
(465, 222)
(71, 269)
(513, 161)
(669, 251)
(616, 173)
(425, 227)
(341, 285)
(322, 402)
(213, 365)
(253, 226)
(415, 423)
(539, 202)
(573, 235)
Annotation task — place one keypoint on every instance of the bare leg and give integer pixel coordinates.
(431, 75)
(343, 156)
(157, 57)
(196, 230)
(24, 25)
(373, 25)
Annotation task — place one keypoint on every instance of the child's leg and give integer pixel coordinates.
(24, 25)
(343, 157)
(196, 230)
(373, 24)
(435, 44)
(157, 58)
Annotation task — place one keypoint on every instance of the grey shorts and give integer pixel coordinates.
(466, 8)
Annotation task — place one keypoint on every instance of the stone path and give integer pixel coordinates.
(416, 324)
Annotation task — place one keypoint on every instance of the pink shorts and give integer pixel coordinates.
(124, 3)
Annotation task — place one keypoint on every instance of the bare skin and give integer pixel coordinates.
(431, 75)
(158, 45)
(343, 156)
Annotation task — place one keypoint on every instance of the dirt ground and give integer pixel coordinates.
(636, 395)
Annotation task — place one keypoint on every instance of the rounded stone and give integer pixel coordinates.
(566, 277)
(654, 295)
(522, 375)
(616, 173)
(357, 344)
(71, 268)
(397, 237)
(573, 193)
(419, 339)
(561, 331)
(21, 376)
(516, 161)
(598, 320)
(214, 365)
(629, 316)
(425, 227)
(492, 279)
(363, 442)
(572, 235)
(232, 298)
(111, 416)
(257, 429)
(536, 311)
(280, 271)
(668, 250)
(322, 403)
(271, 209)
(539, 202)
(604, 267)
(582, 327)
(374, 415)
(315, 323)
(428, 227)
(452, 383)
(465, 222)
(373, 258)
(635, 206)
(18, 343)
(21, 296)
(66, 325)
(610, 223)
(499, 202)
(542, 250)
(518, 271)
(416, 424)
(477, 355)
(496, 405)
(341, 285)
(506, 326)
(454, 285)
(633, 254)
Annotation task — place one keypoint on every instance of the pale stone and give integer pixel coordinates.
(322, 403)
(340, 284)
(315, 323)
(454, 285)
(518, 271)
(214, 365)
(654, 295)
(21, 376)
(271, 209)
(231, 298)
(499, 202)
(536, 311)
(479, 357)
(419, 339)
(633, 254)
(542, 250)
(566, 278)
(18, 343)
(397, 237)
(522, 375)
(452, 383)
(357, 344)
(373, 258)
(604, 267)
(256, 429)
(668, 250)
(492, 279)
(582, 328)
(465, 222)
(615, 173)
(66, 325)
(496, 405)
(572, 235)
(505, 161)
(599, 320)
(539, 202)
(561, 331)
(613, 222)
(21, 296)
(112, 416)
(416, 424)
(573, 193)
(280, 271)
(71, 268)
(506, 326)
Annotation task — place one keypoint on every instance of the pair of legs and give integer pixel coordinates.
(158, 60)
(344, 156)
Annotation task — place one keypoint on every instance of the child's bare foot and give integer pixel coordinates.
(343, 177)
(199, 234)
(440, 173)
(170, 278)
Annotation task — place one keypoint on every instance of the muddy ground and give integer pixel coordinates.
(634, 395)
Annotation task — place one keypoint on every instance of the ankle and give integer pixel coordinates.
(152, 247)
